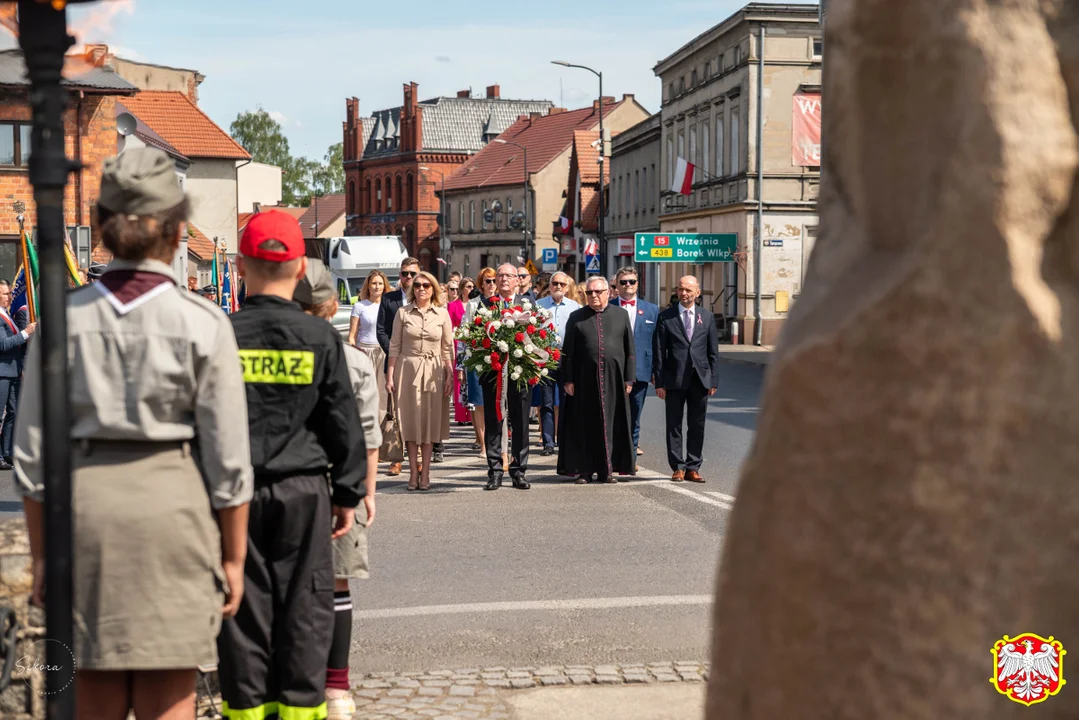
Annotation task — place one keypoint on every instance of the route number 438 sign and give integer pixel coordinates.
(685, 247)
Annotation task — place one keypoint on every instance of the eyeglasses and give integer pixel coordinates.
(408, 273)
(453, 288)
(488, 281)
(595, 292)
(421, 286)
(627, 282)
(523, 276)
(558, 284)
(503, 276)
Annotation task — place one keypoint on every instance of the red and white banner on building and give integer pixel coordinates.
(805, 138)
(683, 177)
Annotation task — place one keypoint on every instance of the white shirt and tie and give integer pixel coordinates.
(6, 317)
(631, 309)
(688, 316)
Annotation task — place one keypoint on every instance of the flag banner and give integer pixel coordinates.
(216, 270)
(28, 260)
(683, 177)
(72, 262)
(564, 222)
(225, 297)
(19, 300)
(806, 130)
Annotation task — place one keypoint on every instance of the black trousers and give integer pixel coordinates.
(519, 402)
(691, 404)
(9, 396)
(273, 654)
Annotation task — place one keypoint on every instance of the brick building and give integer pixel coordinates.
(90, 133)
(386, 192)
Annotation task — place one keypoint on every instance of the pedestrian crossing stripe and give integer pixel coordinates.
(278, 367)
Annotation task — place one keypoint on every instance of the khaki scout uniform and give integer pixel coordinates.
(159, 427)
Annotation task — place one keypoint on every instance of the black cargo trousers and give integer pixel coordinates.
(273, 653)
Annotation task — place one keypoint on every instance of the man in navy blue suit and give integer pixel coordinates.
(643, 317)
(685, 363)
(12, 351)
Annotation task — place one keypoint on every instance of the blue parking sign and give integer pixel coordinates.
(550, 258)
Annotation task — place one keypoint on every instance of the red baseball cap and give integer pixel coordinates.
(272, 225)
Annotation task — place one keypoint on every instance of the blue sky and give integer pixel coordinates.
(300, 60)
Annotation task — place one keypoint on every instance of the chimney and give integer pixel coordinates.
(626, 97)
(96, 53)
(258, 207)
(464, 94)
(556, 111)
(533, 116)
(607, 100)
(493, 91)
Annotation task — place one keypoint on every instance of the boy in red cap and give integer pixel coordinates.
(304, 427)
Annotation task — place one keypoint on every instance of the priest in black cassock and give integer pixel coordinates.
(597, 370)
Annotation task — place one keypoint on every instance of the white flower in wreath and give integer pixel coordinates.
(544, 372)
(496, 325)
(503, 346)
(509, 323)
(526, 305)
(530, 348)
(484, 312)
(487, 359)
(518, 353)
(532, 321)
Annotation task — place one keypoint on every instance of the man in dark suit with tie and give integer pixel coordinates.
(518, 401)
(12, 351)
(643, 317)
(685, 365)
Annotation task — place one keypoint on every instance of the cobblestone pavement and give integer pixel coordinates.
(478, 693)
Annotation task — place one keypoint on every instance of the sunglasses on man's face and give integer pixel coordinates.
(594, 292)
(523, 276)
(409, 274)
(627, 282)
(558, 284)
(422, 285)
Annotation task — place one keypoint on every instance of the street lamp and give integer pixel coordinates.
(526, 231)
(442, 245)
(602, 146)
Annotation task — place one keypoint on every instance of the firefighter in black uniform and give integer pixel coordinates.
(304, 426)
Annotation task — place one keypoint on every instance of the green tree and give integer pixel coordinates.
(261, 135)
(331, 177)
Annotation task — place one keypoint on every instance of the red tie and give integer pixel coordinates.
(629, 303)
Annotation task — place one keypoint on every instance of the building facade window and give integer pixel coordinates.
(410, 197)
(693, 79)
(378, 195)
(636, 191)
(461, 215)
(402, 201)
(14, 144)
(352, 199)
(471, 214)
(368, 202)
(706, 151)
(720, 167)
(736, 148)
(654, 195)
(693, 152)
(449, 216)
(670, 160)
(681, 146)
(483, 216)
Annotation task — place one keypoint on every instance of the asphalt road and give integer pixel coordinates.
(561, 574)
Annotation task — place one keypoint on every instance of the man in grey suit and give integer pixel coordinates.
(685, 366)
(12, 351)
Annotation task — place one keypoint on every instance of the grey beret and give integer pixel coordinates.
(316, 286)
(140, 181)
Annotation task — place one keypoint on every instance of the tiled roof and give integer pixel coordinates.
(198, 244)
(330, 207)
(77, 74)
(241, 220)
(545, 138)
(145, 133)
(180, 122)
(455, 125)
(585, 145)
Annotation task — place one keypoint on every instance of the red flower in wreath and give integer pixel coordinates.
(479, 321)
(495, 357)
(556, 353)
(543, 333)
(531, 330)
(496, 366)
(519, 337)
(533, 381)
(487, 343)
(475, 343)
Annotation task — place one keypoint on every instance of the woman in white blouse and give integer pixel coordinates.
(363, 324)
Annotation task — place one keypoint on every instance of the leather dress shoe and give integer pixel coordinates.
(548, 451)
(678, 476)
(520, 483)
(694, 476)
(494, 483)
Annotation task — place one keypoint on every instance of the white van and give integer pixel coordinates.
(351, 259)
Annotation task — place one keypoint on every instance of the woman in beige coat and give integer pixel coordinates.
(420, 373)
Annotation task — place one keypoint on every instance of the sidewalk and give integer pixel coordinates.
(679, 701)
(746, 354)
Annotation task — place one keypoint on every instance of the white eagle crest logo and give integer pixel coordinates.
(1028, 668)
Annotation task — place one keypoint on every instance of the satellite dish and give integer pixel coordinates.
(126, 124)
(488, 216)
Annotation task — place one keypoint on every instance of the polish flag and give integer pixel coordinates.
(565, 223)
(683, 177)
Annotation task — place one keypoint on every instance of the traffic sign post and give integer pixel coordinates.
(685, 247)
(550, 259)
(591, 264)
